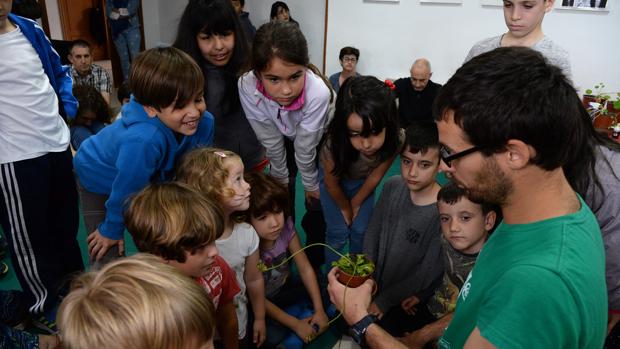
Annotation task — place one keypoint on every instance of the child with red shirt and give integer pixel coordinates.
(178, 224)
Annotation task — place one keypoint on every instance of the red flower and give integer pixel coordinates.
(390, 84)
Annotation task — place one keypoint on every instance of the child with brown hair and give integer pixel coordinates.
(137, 302)
(270, 215)
(218, 174)
(165, 118)
(180, 225)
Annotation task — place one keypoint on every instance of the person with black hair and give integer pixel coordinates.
(210, 32)
(244, 19)
(348, 57)
(280, 12)
(505, 120)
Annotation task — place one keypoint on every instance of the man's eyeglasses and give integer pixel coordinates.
(349, 59)
(447, 158)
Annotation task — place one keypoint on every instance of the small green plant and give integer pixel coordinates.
(601, 100)
(355, 264)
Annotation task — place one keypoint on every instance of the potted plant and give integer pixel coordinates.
(603, 110)
(354, 269)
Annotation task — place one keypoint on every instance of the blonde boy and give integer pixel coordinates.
(136, 303)
(176, 223)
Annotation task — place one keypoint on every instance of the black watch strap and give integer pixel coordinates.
(358, 330)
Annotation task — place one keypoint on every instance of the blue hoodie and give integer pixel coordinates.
(124, 157)
(58, 75)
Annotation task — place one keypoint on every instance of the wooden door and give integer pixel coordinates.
(76, 17)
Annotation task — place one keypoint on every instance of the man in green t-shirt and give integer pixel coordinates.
(506, 121)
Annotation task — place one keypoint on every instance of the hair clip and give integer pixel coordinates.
(219, 153)
(390, 84)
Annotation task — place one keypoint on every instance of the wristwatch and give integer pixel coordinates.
(358, 330)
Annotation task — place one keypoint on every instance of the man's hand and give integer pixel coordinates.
(98, 245)
(353, 303)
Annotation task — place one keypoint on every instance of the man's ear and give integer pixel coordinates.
(430, 75)
(518, 154)
(150, 111)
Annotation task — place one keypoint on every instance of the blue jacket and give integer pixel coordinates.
(58, 75)
(124, 157)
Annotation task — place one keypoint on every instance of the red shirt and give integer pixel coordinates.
(220, 283)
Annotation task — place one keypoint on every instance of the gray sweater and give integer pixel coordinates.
(606, 208)
(554, 54)
(404, 240)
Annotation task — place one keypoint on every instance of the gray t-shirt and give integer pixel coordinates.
(555, 54)
(404, 241)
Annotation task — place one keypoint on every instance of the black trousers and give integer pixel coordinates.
(39, 217)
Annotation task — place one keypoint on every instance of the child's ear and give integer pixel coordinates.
(489, 220)
(150, 111)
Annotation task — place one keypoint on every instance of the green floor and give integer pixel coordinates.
(10, 281)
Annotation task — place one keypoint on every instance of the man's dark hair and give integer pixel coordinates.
(80, 43)
(514, 93)
(420, 136)
(348, 50)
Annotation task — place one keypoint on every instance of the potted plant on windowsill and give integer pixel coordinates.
(602, 109)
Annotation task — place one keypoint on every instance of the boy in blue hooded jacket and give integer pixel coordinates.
(166, 117)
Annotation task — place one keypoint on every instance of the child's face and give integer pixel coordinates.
(419, 170)
(237, 6)
(240, 201)
(282, 15)
(86, 118)
(216, 49)
(365, 145)
(183, 120)
(283, 81)
(525, 16)
(268, 225)
(199, 263)
(464, 225)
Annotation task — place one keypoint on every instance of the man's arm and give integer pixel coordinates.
(476, 341)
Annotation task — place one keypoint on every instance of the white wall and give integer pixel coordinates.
(391, 35)
(309, 13)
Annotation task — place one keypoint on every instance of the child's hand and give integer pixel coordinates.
(355, 210)
(260, 332)
(303, 328)
(321, 319)
(312, 195)
(374, 309)
(347, 214)
(409, 304)
(98, 245)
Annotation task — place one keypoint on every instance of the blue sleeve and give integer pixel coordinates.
(136, 163)
(208, 130)
(62, 75)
